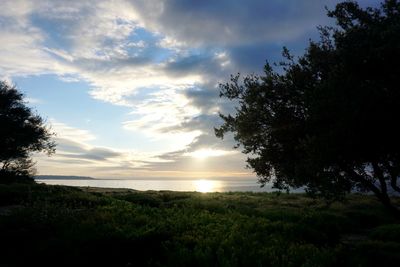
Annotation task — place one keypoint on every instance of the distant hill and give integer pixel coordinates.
(62, 177)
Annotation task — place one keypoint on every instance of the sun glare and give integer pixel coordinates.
(206, 153)
(205, 186)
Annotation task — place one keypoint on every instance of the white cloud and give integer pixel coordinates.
(31, 100)
(60, 53)
(20, 52)
(95, 48)
(208, 153)
(67, 132)
(162, 109)
(75, 155)
(17, 10)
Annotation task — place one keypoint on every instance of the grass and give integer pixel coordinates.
(67, 226)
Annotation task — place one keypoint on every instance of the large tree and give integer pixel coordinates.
(329, 119)
(22, 132)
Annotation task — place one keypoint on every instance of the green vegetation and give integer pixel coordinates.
(66, 226)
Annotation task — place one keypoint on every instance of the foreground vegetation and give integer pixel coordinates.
(66, 226)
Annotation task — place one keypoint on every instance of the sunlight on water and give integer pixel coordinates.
(205, 186)
(200, 185)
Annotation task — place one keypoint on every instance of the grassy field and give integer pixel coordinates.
(65, 226)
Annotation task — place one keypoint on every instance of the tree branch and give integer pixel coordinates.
(380, 194)
(5, 166)
(379, 174)
(360, 179)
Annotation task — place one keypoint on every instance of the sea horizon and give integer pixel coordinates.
(169, 184)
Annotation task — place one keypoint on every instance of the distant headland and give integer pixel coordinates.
(62, 177)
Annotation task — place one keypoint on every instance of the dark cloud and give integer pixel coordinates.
(104, 152)
(189, 64)
(223, 22)
(199, 62)
(206, 99)
(252, 58)
(209, 140)
(204, 123)
(97, 64)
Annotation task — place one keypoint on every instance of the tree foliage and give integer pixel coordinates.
(327, 120)
(21, 133)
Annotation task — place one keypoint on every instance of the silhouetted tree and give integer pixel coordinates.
(328, 120)
(21, 133)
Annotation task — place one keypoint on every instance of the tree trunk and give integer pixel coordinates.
(381, 194)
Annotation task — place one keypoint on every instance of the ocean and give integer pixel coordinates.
(200, 185)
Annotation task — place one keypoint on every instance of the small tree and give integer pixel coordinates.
(329, 120)
(21, 133)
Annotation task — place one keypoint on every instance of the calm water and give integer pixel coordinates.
(175, 185)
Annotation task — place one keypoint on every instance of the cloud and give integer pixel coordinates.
(75, 155)
(82, 158)
(230, 21)
(206, 98)
(17, 10)
(64, 131)
(227, 164)
(32, 100)
(20, 53)
(204, 63)
(95, 154)
(115, 46)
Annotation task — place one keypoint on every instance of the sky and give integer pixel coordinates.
(130, 87)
